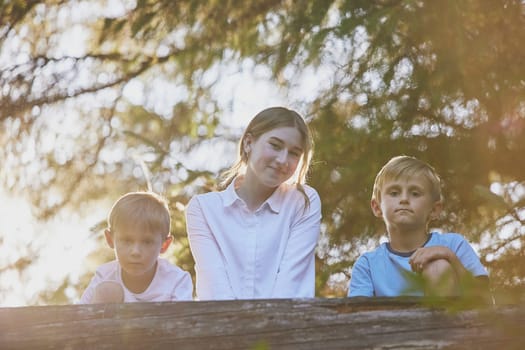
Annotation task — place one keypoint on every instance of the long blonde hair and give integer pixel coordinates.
(267, 120)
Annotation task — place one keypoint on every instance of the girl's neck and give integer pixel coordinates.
(251, 192)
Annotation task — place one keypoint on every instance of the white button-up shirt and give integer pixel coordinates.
(243, 254)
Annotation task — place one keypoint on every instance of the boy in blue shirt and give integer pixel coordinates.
(407, 196)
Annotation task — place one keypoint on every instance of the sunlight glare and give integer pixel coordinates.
(62, 245)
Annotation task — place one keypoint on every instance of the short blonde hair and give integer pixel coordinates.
(406, 167)
(143, 210)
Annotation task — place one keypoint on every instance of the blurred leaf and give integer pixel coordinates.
(490, 197)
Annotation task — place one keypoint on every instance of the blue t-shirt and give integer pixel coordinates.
(386, 273)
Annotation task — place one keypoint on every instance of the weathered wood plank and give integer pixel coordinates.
(382, 323)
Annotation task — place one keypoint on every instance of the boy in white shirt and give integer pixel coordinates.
(138, 230)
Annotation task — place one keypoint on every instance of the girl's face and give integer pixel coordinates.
(274, 156)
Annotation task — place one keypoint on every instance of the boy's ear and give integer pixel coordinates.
(436, 210)
(376, 208)
(109, 238)
(166, 244)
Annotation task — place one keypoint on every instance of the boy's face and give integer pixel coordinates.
(137, 250)
(406, 203)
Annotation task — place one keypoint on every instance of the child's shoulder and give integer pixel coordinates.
(172, 279)
(291, 190)
(108, 269)
(207, 197)
(378, 252)
(446, 237)
(293, 187)
(310, 191)
(208, 194)
(452, 240)
(166, 267)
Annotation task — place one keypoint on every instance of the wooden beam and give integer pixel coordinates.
(349, 323)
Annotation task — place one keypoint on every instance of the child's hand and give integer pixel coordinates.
(422, 256)
(108, 292)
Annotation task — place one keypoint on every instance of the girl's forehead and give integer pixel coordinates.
(287, 134)
(283, 130)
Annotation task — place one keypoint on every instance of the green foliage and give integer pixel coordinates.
(440, 80)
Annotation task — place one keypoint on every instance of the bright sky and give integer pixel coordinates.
(61, 245)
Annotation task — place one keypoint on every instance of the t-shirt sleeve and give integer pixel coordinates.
(87, 296)
(361, 279)
(469, 258)
(184, 288)
(105, 272)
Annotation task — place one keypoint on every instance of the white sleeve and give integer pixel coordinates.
(184, 288)
(87, 296)
(212, 279)
(105, 272)
(296, 276)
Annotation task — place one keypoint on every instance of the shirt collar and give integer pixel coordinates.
(229, 196)
(406, 254)
(274, 202)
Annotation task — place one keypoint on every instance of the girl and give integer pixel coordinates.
(256, 237)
